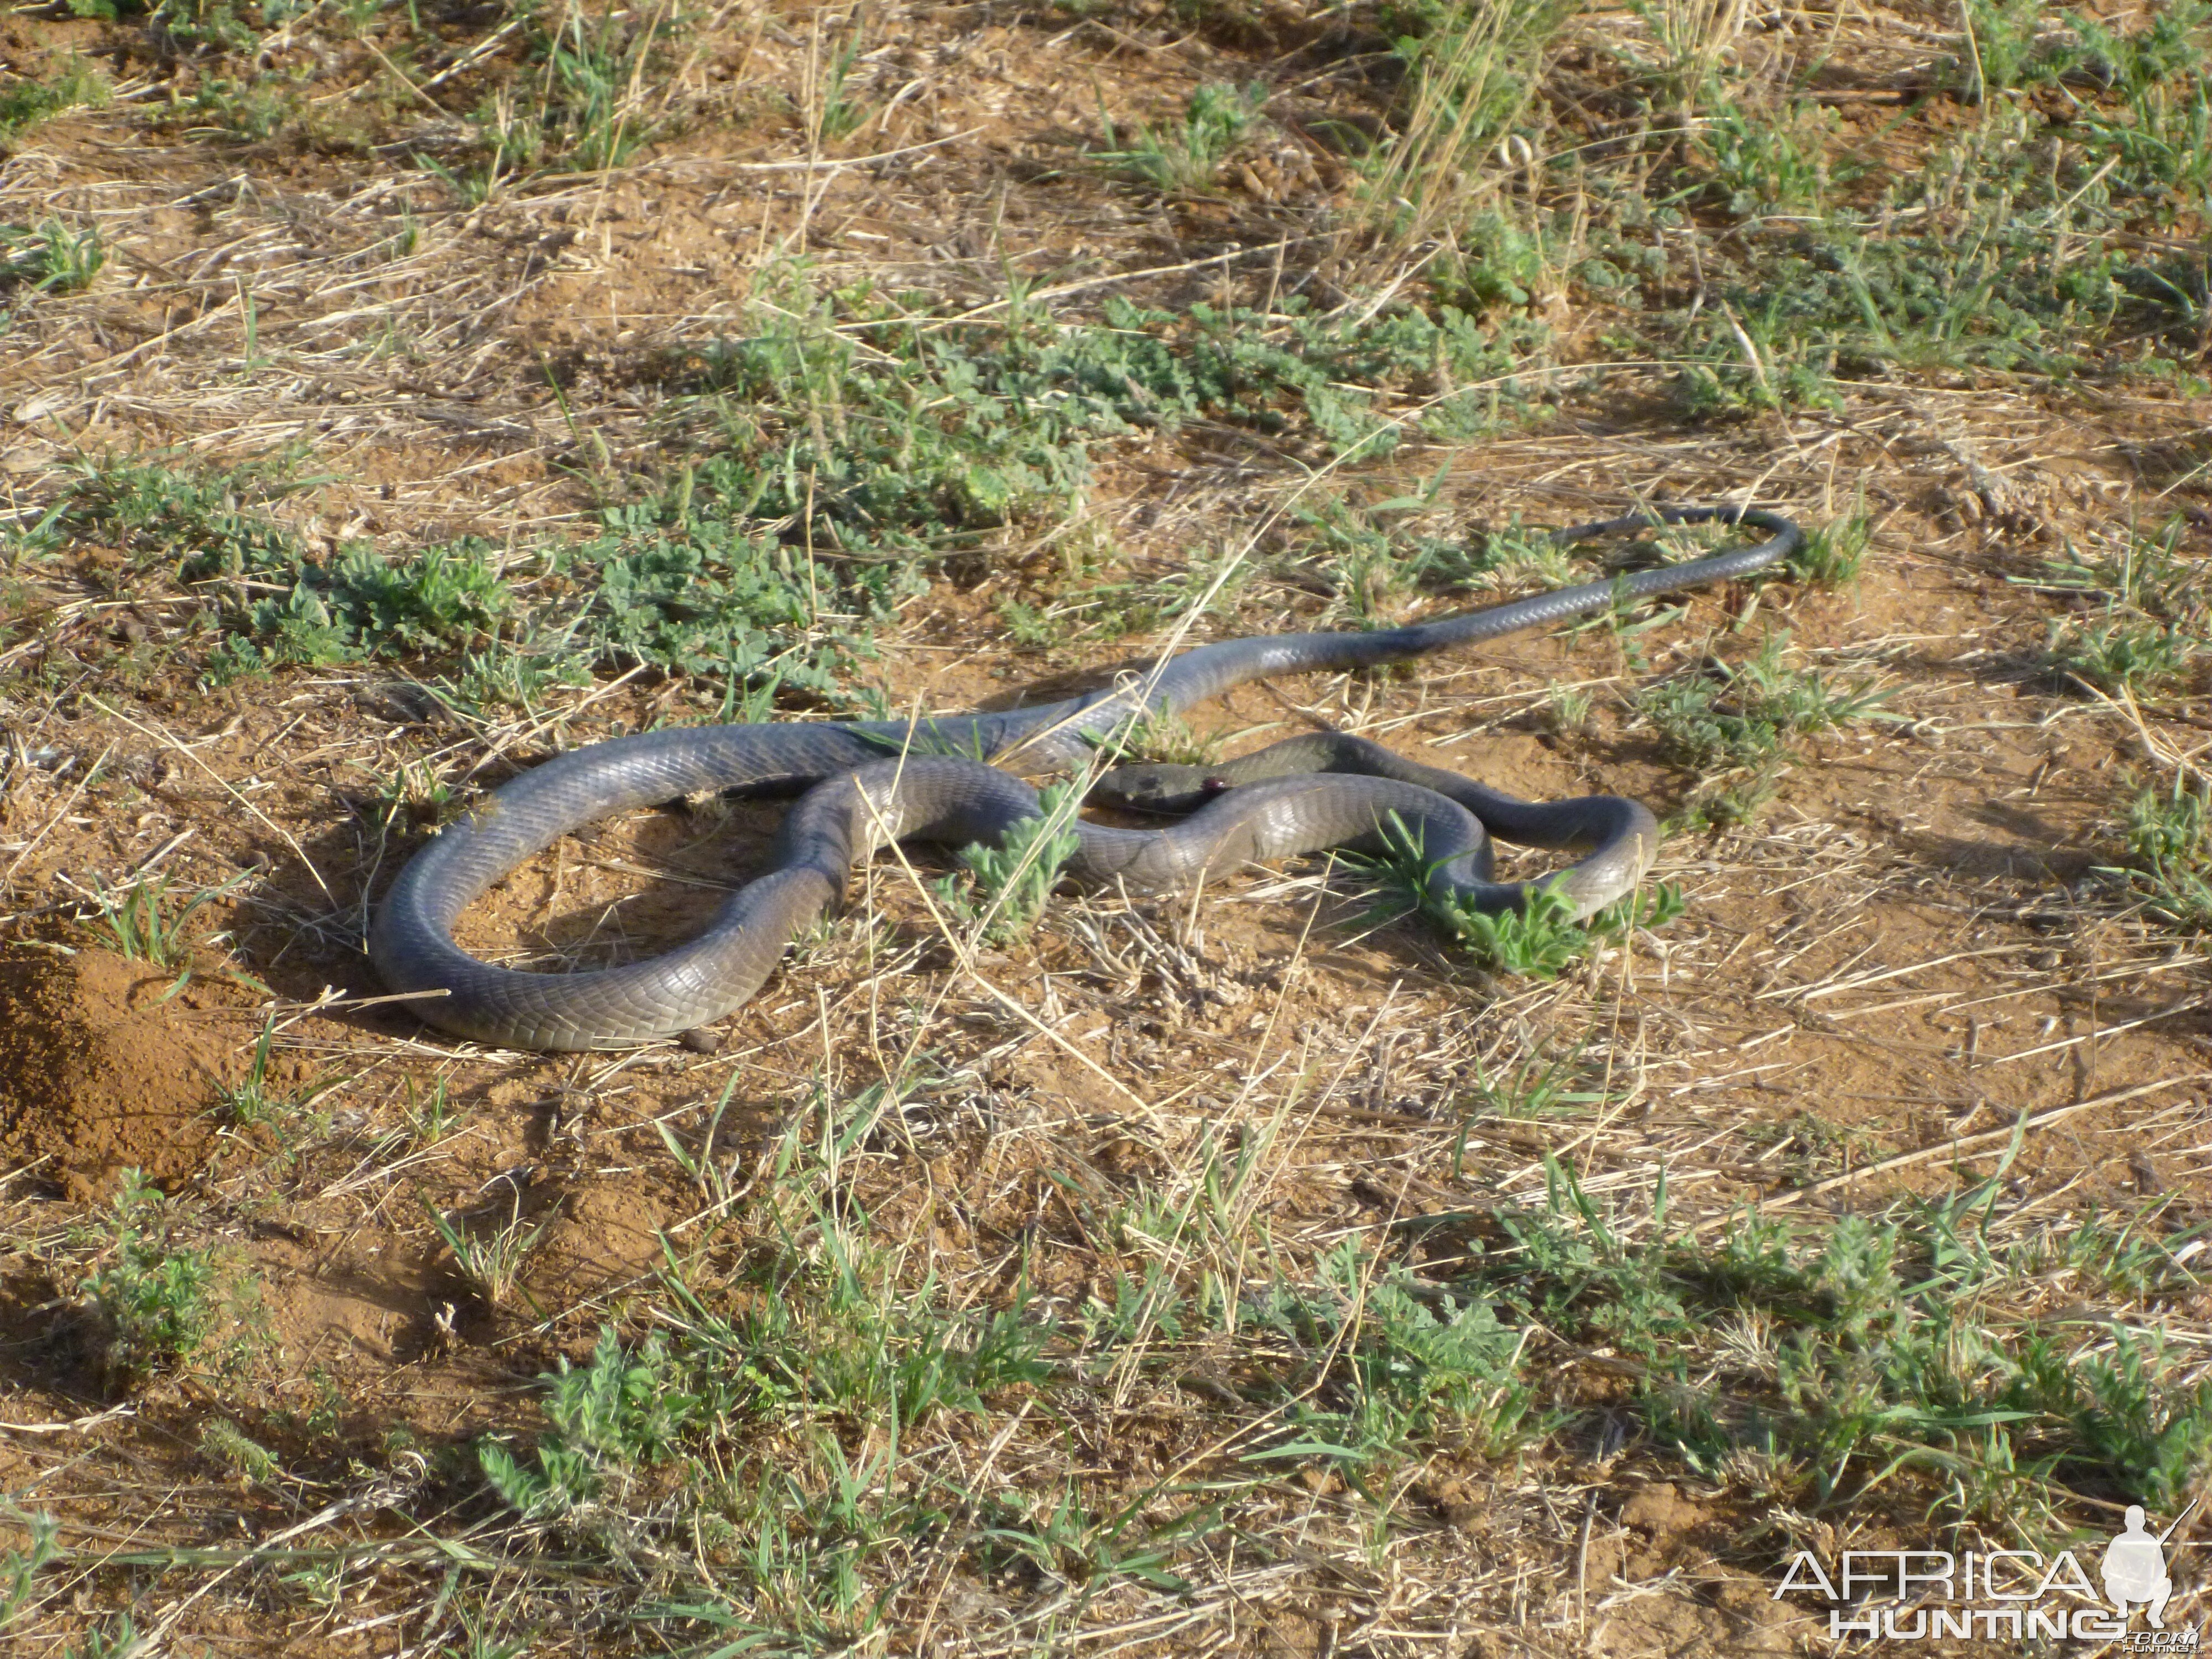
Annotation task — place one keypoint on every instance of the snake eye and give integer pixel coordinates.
(1214, 785)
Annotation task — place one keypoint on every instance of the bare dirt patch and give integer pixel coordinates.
(106, 1064)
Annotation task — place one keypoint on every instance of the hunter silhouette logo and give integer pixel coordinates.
(2134, 1569)
(1918, 1595)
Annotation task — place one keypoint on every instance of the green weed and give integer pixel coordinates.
(1834, 554)
(252, 1100)
(1185, 156)
(1751, 164)
(1833, 301)
(1744, 717)
(27, 102)
(223, 1442)
(594, 70)
(835, 115)
(1163, 735)
(1565, 710)
(604, 1419)
(116, 1638)
(1061, 1540)
(2155, 616)
(1399, 1368)
(430, 1117)
(2168, 837)
(2122, 653)
(1539, 941)
(19, 1569)
(51, 257)
(1873, 1351)
(414, 796)
(1498, 262)
(157, 1298)
(1010, 884)
(837, 448)
(249, 110)
(1371, 554)
(779, 1527)
(1809, 1146)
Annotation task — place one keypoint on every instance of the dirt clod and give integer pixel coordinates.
(100, 1070)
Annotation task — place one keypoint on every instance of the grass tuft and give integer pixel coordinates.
(489, 1251)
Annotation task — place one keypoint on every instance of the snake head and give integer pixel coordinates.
(1158, 787)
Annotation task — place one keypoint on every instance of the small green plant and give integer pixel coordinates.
(1163, 735)
(1833, 554)
(607, 1417)
(1402, 1368)
(415, 796)
(1758, 164)
(1498, 262)
(430, 1116)
(248, 111)
(1028, 626)
(1565, 710)
(594, 73)
(51, 257)
(148, 925)
(1744, 716)
(1185, 157)
(2151, 626)
(2122, 653)
(118, 1639)
(2169, 835)
(836, 115)
(1539, 941)
(223, 1442)
(490, 1252)
(27, 102)
(19, 1569)
(1010, 885)
(252, 1100)
(156, 1297)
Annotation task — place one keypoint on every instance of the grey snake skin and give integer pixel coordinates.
(883, 780)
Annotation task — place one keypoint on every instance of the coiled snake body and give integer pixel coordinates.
(927, 778)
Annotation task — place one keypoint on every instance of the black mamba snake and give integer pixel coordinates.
(880, 781)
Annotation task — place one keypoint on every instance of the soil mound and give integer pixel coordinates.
(99, 1069)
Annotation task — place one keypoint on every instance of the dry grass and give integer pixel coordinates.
(1131, 1289)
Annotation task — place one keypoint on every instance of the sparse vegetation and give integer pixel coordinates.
(2154, 617)
(146, 922)
(1010, 884)
(50, 257)
(1184, 156)
(2168, 836)
(491, 1247)
(400, 398)
(1871, 1350)
(157, 1298)
(1737, 724)
(25, 102)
